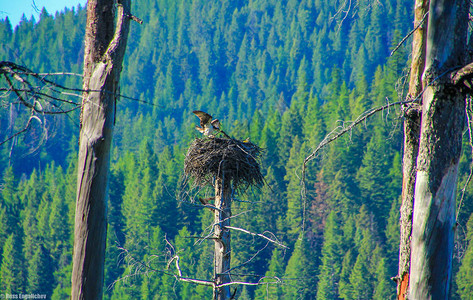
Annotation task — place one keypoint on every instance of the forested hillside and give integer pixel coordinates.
(285, 74)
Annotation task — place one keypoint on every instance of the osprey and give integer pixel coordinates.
(207, 124)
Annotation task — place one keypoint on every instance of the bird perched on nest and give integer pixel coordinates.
(208, 125)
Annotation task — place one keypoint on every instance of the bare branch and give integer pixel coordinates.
(335, 134)
(257, 234)
(40, 95)
(409, 34)
(145, 267)
(463, 75)
(27, 126)
(134, 18)
(14, 70)
(277, 281)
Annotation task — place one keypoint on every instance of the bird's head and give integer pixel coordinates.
(216, 124)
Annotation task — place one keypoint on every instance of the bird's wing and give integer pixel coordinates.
(204, 117)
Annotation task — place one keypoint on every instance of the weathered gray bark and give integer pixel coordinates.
(223, 198)
(104, 51)
(443, 115)
(411, 145)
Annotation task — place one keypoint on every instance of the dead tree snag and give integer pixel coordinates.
(104, 52)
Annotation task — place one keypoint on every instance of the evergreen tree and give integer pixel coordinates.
(383, 287)
(392, 234)
(271, 70)
(12, 272)
(184, 247)
(360, 277)
(3, 228)
(293, 273)
(372, 177)
(40, 277)
(464, 278)
(10, 200)
(329, 272)
(60, 229)
(345, 289)
(275, 271)
(294, 206)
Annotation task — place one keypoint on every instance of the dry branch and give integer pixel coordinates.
(259, 235)
(464, 76)
(34, 91)
(335, 134)
(27, 126)
(409, 34)
(145, 267)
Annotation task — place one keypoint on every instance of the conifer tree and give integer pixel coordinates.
(464, 278)
(345, 289)
(9, 197)
(360, 277)
(184, 247)
(4, 232)
(294, 206)
(383, 287)
(393, 235)
(60, 227)
(30, 229)
(40, 277)
(329, 272)
(12, 271)
(372, 176)
(276, 270)
(293, 274)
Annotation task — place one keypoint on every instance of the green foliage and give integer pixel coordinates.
(12, 271)
(331, 261)
(464, 278)
(40, 279)
(284, 73)
(272, 289)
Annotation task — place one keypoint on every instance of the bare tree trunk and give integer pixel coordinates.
(104, 51)
(443, 115)
(223, 198)
(411, 145)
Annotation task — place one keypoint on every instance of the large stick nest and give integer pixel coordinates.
(230, 159)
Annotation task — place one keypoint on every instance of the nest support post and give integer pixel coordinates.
(231, 166)
(222, 254)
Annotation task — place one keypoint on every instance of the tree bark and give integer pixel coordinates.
(411, 145)
(104, 51)
(222, 254)
(443, 115)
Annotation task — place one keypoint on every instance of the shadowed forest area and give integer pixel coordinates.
(282, 73)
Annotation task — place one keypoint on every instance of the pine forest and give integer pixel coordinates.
(283, 74)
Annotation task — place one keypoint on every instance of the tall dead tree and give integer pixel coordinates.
(411, 144)
(227, 164)
(443, 116)
(105, 43)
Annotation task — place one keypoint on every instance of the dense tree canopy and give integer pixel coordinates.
(284, 73)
